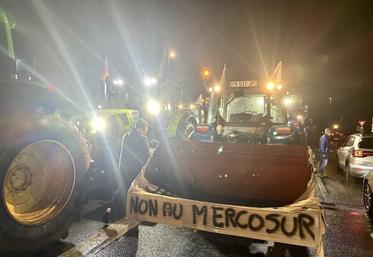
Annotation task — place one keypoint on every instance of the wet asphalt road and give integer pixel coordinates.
(349, 231)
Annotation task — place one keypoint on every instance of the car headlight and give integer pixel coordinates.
(153, 107)
(98, 124)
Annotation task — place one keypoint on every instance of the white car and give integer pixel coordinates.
(355, 156)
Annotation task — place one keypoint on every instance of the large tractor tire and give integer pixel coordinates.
(43, 175)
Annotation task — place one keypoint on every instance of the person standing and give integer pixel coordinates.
(324, 149)
(134, 154)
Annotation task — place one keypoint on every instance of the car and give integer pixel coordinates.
(368, 193)
(355, 156)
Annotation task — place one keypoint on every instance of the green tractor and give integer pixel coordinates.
(44, 158)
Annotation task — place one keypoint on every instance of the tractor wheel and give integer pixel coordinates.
(43, 175)
(186, 128)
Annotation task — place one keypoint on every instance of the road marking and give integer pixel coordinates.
(101, 239)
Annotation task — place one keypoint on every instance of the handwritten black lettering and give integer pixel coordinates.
(153, 207)
(307, 222)
(143, 206)
(273, 217)
(199, 212)
(167, 209)
(229, 217)
(175, 213)
(237, 219)
(134, 205)
(258, 226)
(216, 216)
(283, 226)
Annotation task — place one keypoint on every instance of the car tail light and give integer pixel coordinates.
(202, 129)
(362, 154)
(283, 131)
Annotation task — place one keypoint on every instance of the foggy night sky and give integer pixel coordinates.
(325, 46)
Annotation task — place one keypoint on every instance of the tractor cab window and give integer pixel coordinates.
(124, 119)
(278, 115)
(243, 108)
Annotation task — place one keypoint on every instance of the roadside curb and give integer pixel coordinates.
(321, 186)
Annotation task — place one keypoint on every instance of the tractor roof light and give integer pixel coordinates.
(271, 85)
(118, 82)
(150, 81)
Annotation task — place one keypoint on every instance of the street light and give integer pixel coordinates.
(330, 111)
(335, 126)
(205, 73)
(172, 54)
(217, 87)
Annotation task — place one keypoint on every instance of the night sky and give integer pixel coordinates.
(325, 46)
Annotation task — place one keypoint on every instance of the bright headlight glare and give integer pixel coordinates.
(153, 107)
(98, 124)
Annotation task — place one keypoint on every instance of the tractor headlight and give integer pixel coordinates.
(98, 124)
(153, 107)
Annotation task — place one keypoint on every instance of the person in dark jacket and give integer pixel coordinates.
(134, 152)
(324, 149)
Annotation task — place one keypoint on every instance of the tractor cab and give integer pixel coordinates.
(246, 112)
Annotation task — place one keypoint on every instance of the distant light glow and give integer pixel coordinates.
(172, 54)
(288, 101)
(210, 89)
(153, 107)
(150, 81)
(279, 87)
(205, 73)
(98, 124)
(217, 88)
(299, 117)
(335, 126)
(118, 82)
(270, 85)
